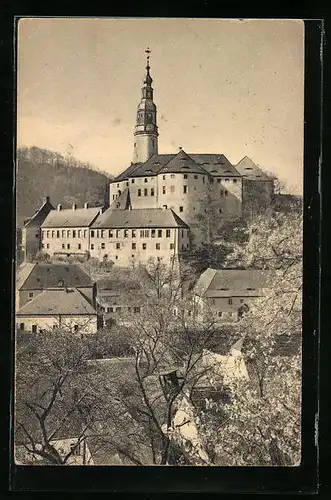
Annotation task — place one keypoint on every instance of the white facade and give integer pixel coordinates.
(65, 241)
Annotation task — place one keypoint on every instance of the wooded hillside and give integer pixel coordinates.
(41, 172)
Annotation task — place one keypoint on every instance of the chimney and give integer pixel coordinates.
(101, 211)
(46, 199)
(59, 207)
(74, 206)
(86, 204)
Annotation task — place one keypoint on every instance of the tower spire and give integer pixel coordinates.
(146, 131)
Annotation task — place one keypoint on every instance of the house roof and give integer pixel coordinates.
(40, 214)
(213, 164)
(249, 170)
(139, 218)
(225, 282)
(22, 273)
(45, 275)
(123, 201)
(58, 301)
(80, 217)
(216, 164)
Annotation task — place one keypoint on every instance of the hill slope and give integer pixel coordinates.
(45, 173)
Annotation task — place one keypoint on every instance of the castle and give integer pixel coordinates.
(155, 203)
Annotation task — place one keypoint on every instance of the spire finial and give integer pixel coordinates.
(148, 51)
(148, 80)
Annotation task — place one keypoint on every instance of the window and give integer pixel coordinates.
(85, 233)
(42, 234)
(47, 234)
(74, 234)
(118, 233)
(172, 176)
(92, 247)
(103, 246)
(21, 326)
(133, 233)
(146, 232)
(241, 301)
(80, 246)
(144, 246)
(185, 189)
(163, 190)
(226, 193)
(34, 328)
(230, 301)
(145, 180)
(30, 295)
(167, 233)
(185, 176)
(220, 210)
(203, 179)
(53, 234)
(172, 246)
(142, 233)
(76, 328)
(134, 246)
(220, 314)
(195, 177)
(187, 245)
(118, 246)
(145, 192)
(110, 233)
(126, 233)
(164, 177)
(136, 309)
(139, 192)
(218, 180)
(182, 233)
(118, 185)
(234, 180)
(181, 209)
(68, 246)
(116, 257)
(42, 245)
(102, 233)
(110, 309)
(63, 245)
(152, 192)
(153, 233)
(172, 189)
(126, 183)
(157, 246)
(92, 234)
(159, 233)
(47, 246)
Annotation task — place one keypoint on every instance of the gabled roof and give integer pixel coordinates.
(43, 275)
(80, 217)
(182, 163)
(22, 273)
(58, 301)
(216, 164)
(225, 282)
(139, 218)
(248, 169)
(40, 214)
(123, 201)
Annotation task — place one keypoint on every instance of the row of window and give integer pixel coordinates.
(107, 309)
(172, 176)
(34, 328)
(230, 300)
(108, 233)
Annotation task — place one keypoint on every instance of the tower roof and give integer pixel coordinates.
(182, 163)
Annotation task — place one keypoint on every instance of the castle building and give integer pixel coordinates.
(185, 183)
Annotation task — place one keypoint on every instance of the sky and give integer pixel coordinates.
(226, 86)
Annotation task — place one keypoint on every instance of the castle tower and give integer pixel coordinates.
(145, 134)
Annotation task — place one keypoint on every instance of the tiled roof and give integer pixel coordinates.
(216, 164)
(139, 218)
(222, 282)
(123, 201)
(45, 275)
(80, 217)
(248, 169)
(40, 214)
(68, 301)
(182, 163)
(22, 273)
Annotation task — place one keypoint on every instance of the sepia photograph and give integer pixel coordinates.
(159, 242)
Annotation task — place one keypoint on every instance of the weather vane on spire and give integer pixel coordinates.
(148, 51)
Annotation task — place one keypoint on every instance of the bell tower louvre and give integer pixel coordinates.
(146, 131)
